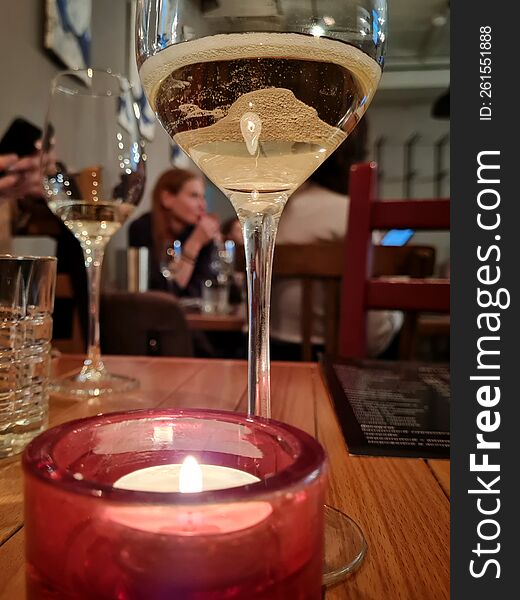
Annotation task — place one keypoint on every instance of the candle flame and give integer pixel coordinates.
(251, 128)
(190, 476)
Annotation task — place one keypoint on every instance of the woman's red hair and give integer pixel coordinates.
(172, 181)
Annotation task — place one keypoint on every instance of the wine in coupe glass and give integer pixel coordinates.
(259, 95)
(93, 177)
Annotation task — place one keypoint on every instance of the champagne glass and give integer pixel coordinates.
(259, 95)
(93, 176)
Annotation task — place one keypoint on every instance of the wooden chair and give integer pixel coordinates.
(313, 263)
(362, 290)
(324, 264)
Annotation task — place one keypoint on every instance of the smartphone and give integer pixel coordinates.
(20, 138)
(397, 237)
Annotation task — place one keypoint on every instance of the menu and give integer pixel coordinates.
(391, 408)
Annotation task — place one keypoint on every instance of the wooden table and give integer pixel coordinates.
(402, 505)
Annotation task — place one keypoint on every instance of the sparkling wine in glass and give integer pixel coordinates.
(93, 176)
(259, 95)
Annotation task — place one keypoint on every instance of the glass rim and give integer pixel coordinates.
(308, 466)
(81, 74)
(19, 258)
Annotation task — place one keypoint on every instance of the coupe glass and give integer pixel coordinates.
(259, 94)
(93, 176)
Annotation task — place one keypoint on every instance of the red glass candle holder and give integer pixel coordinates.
(86, 538)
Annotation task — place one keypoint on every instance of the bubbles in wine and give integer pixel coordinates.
(259, 112)
(242, 46)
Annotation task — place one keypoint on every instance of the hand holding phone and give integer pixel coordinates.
(7, 181)
(22, 179)
(19, 161)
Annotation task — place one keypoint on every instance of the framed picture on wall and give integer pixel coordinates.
(68, 31)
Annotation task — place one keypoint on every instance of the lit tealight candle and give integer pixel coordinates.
(188, 477)
(191, 479)
(174, 530)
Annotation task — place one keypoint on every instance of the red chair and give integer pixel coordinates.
(360, 291)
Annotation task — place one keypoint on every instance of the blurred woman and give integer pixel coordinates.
(178, 213)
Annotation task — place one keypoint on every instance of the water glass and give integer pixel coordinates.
(215, 296)
(26, 301)
(216, 289)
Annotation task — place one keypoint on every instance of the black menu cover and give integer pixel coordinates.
(391, 408)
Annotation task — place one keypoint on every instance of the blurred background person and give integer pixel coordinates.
(318, 212)
(19, 177)
(178, 214)
(21, 185)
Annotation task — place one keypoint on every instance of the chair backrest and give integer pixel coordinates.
(148, 323)
(312, 263)
(363, 288)
(323, 263)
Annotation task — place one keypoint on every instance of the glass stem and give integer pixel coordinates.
(259, 232)
(93, 262)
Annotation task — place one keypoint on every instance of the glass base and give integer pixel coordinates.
(345, 546)
(13, 443)
(92, 383)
